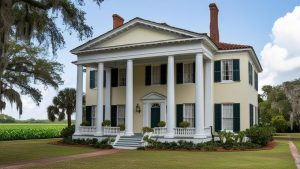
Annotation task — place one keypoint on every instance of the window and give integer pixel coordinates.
(120, 115)
(122, 77)
(227, 70)
(156, 74)
(189, 114)
(188, 73)
(227, 117)
(93, 116)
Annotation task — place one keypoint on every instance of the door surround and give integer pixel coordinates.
(150, 99)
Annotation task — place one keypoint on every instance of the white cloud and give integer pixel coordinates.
(282, 55)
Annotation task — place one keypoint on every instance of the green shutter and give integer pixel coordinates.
(217, 71)
(113, 115)
(256, 81)
(103, 112)
(179, 73)
(163, 74)
(104, 78)
(251, 114)
(148, 75)
(218, 117)
(88, 114)
(236, 117)
(179, 114)
(250, 73)
(236, 70)
(194, 72)
(114, 77)
(92, 79)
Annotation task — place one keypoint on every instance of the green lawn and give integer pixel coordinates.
(287, 136)
(26, 150)
(279, 157)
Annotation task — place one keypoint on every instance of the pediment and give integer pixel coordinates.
(136, 31)
(154, 96)
(139, 34)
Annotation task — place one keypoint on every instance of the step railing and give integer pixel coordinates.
(184, 132)
(111, 131)
(87, 129)
(159, 131)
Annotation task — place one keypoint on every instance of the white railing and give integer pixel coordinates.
(159, 131)
(87, 129)
(184, 132)
(112, 131)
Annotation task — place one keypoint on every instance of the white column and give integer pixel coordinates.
(79, 91)
(99, 114)
(107, 93)
(162, 111)
(170, 99)
(129, 99)
(145, 115)
(208, 93)
(199, 107)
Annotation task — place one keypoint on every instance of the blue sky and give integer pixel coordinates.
(240, 21)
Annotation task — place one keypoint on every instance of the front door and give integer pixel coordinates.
(155, 115)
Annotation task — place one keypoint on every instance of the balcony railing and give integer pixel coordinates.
(159, 131)
(87, 129)
(184, 132)
(112, 131)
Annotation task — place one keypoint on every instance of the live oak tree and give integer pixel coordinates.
(30, 23)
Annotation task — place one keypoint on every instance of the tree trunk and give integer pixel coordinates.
(69, 119)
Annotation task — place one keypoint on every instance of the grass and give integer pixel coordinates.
(279, 157)
(32, 125)
(287, 136)
(26, 150)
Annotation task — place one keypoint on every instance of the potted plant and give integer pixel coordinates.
(85, 123)
(122, 127)
(147, 130)
(161, 124)
(184, 124)
(106, 123)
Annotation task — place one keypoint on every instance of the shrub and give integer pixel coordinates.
(67, 131)
(106, 123)
(260, 135)
(184, 124)
(85, 123)
(226, 137)
(122, 127)
(147, 130)
(279, 123)
(161, 124)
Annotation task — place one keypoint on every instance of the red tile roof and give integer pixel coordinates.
(229, 46)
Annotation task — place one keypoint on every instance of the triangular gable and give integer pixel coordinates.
(154, 96)
(156, 28)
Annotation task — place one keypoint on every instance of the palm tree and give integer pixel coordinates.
(64, 104)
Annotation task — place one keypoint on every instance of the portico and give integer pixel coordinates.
(167, 103)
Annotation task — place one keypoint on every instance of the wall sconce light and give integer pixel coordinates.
(138, 108)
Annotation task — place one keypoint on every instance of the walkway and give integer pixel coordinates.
(59, 159)
(295, 153)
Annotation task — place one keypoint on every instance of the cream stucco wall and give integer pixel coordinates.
(234, 92)
(237, 92)
(138, 34)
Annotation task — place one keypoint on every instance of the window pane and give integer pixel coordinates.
(227, 69)
(155, 74)
(188, 73)
(227, 117)
(122, 77)
(189, 114)
(121, 115)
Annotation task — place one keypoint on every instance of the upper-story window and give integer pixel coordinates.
(156, 75)
(227, 70)
(188, 73)
(250, 73)
(122, 77)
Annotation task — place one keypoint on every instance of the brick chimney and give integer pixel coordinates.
(214, 27)
(117, 21)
